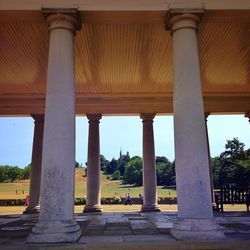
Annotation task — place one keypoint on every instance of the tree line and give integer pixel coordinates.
(13, 173)
(231, 167)
(129, 170)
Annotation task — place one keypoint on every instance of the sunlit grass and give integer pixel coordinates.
(18, 190)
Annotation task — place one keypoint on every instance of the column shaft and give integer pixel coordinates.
(149, 166)
(36, 165)
(93, 166)
(195, 217)
(56, 222)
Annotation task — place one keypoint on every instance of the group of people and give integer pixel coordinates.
(128, 200)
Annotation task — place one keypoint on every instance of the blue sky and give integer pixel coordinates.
(124, 132)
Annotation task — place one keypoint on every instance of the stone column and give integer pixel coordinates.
(195, 216)
(36, 165)
(210, 165)
(93, 165)
(149, 168)
(56, 219)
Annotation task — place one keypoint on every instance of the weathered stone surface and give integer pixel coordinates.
(101, 239)
(149, 167)
(93, 179)
(192, 169)
(116, 232)
(56, 222)
(148, 238)
(119, 221)
(200, 229)
(235, 227)
(54, 231)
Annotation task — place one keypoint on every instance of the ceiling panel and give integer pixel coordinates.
(125, 59)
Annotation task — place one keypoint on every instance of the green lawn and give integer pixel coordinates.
(108, 188)
(116, 208)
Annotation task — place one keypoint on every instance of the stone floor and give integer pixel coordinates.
(128, 231)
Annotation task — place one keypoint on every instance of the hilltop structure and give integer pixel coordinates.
(140, 57)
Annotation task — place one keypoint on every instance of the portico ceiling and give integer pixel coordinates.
(123, 62)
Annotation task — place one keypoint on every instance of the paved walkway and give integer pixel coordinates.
(127, 231)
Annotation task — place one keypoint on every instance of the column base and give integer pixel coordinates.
(201, 229)
(150, 208)
(92, 209)
(54, 232)
(32, 210)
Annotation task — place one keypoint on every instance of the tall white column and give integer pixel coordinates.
(56, 222)
(36, 165)
(149, 167)
(93, 166)
(195, 216)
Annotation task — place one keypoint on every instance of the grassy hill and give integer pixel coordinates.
(109, 188)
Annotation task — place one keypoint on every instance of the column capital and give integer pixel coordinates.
(147, 117)
(183, 18)
(62, 19)
(94, 117)
(247, 115)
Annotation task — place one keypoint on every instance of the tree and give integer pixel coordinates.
(165, 174)
(26, 172)
(3, 173)
(123, 160)
(242, 172)
(234, 150)
(133, 171)
(161, 159)
(232, 166)
(104, 162)
(216, 165)
(111, 166)
(14, 173)
(116, 175)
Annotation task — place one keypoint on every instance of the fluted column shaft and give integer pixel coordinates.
(56, 222)
(93, 165)
(149, 166)
(36, 165)
(195, 217)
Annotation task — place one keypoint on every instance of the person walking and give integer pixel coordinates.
(27, 201)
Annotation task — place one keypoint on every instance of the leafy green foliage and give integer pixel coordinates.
(232, 166)
(112, 166)
(165, 172)
(10, 173)
(133, 171)
(116, 175)
(122, 161)
(26, 172)
(104, 162)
